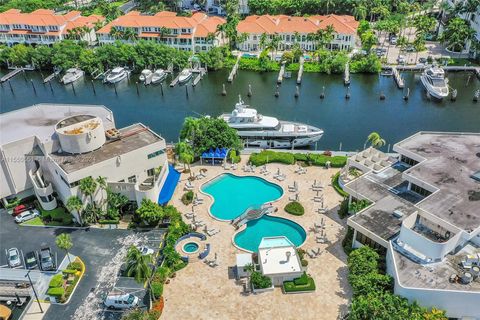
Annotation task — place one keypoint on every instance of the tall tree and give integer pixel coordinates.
(74, 204)
(456, 34)
(376, 140)
(64, 242)
(138, 265)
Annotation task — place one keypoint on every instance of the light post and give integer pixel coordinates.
(35, 292)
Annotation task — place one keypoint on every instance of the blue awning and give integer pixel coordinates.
(218, 153)
(169, 185)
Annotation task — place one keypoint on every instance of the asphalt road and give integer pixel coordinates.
(98, 248)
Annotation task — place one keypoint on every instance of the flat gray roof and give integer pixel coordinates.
(451, 160)
(40, 120)
(132, 138)
(435, 275)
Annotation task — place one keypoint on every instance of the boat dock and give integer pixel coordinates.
(53, 75)
(346, 75)
(234, 71)
(281, 73)
(398, 78)
(197, 79)
(175, 81)
(300, 71)
(11, 74)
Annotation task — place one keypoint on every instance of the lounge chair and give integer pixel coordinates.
(189, 186)
(321, 239)
(212, 232)
(318, 252)
(322, 210)
(189, 215)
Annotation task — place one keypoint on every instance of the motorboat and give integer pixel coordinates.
(265, 132)
(158, 76)
(434, 81)
(185, 75)
(117, 75)
(387, 73)
(72, 75)
(145, 74)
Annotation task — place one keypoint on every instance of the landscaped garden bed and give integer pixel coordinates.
(63, 284)
(56, 217)
(295, 208)
(267, 156)
(303, 284)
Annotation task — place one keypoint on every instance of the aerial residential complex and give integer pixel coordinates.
(195, 33)
(45, 26)
(47, 149)
(298, 30)
(424, 214)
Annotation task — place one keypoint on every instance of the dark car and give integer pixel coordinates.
(31, 260)
(422, 60)
(46, 260)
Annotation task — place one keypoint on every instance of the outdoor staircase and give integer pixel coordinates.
(252, 214)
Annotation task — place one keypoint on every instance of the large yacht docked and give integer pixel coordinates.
(269, 132)
(434, 81)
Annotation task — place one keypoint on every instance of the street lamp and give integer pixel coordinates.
(35, 292)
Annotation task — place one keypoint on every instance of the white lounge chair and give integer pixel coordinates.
(189, 186)
(212, 232)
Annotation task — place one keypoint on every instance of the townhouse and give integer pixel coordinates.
(46, 27)
(196, 33)
(300, 30)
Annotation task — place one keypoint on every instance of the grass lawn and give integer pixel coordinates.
(58, 217)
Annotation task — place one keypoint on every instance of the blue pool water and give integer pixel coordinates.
(190, 247)
(233, 195)
(268, 226)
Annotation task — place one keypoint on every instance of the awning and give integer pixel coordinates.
(169, 185)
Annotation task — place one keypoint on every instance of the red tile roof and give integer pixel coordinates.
(285, 24)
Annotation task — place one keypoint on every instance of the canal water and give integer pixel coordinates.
(346, 122)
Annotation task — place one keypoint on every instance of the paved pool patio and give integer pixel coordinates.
(202, 292)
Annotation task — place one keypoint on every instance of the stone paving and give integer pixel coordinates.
(202, 292)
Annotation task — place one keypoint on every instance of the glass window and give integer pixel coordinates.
(155, 154)
(132, 179)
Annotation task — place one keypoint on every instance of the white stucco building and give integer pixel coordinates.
(425, 216)
(47, 149)
(474, 19)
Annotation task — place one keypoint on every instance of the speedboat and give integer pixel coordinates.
(184, 76)
(158, 76)
(72, 75)
(265, 132)
(116, 75)
(434, 81)
(146, 73)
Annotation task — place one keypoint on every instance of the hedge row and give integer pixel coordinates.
(337, 187)
(56, 292)
(105, 221)
(268, 156)
(304, 283)
(56, 281)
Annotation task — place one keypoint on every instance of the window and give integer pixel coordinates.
(155, 154)
(132, 179)
(408, 160)
(421, 191)
(74, 184)
(366, 241)
(47, 198)
(151, 172)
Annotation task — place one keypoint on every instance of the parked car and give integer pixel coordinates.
(13, 257)
(27, 215)
(121, 301)
(145, 250)
(31, 260)
(401, 59)
(46, 260)
(410, 48)
(393, 40)
(422, 60)
(21, 208)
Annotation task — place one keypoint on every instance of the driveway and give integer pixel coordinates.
(103, 251)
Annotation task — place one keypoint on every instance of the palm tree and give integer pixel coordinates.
(376, 140)
(88, 186)
(74, 204)
(263, 40)
(64, 242)
(116, 33)
(456, 34)
(138, 265)
(164, 32)
(469, 8)
(273, 44)
(360, 12)
(329, 3)
(210, 37)
(130, 34)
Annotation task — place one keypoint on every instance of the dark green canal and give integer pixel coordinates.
(345, 122)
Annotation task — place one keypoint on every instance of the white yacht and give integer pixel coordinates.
(434, 81)
(158, 76)
(146, 73)
(72, 75)
(185, 75)
(269, 132)
(117, 75)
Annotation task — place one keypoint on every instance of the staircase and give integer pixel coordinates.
(251, 214)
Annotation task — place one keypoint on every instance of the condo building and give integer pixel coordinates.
(423, 212)
(47, 149)
(299, 30)
(196, 33)
(46, 27)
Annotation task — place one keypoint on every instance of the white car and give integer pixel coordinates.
(145, 250)
(13, 257)
(401, 59)
(27, 215)
(121, 301)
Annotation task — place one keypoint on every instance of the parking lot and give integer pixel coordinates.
(103, 252)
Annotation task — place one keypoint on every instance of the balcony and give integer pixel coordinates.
(43, 190)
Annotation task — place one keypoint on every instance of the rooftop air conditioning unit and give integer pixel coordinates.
(467, 278)
(398, 214)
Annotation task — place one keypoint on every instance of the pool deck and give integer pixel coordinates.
(203, 292)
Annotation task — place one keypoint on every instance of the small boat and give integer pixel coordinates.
(158, 76)
(145, 74)
(387, 73)
(116, 75)
(434, 81)
(184, 76)
(72, 75)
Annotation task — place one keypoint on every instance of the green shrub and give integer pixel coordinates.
(301, 157)
(234, 156)
(264, 157)
(69, 290)
(303, 280)
(259, 281)
(56, 281)
(348, 241)
(187, 197)
(321, 160)
(304, 283)
(337, 187)
(162, 273)
(69, 271)
(304, 263)
(56, 292)
(13, 203)
(105, 221)
(157, 289)
(295, 208)
(75, 266)
(343, 210)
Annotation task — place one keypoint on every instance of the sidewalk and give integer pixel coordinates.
(33, 312)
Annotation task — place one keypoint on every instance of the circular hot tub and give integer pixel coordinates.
(190, 247)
